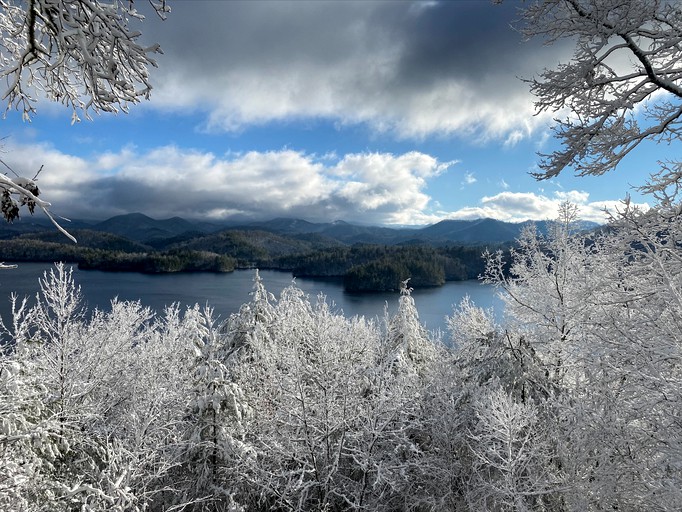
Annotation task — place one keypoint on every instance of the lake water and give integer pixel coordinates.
(227, 292)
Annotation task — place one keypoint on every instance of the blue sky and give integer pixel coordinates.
(394, 113)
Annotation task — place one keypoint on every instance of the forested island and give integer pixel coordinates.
(383, 268)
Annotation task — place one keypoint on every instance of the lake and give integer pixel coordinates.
(227, 292)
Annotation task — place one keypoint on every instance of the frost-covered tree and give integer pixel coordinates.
(408, 345)
(304, 381)
(512, 455)
(93, 407)
(593, 332)
(145, 371)
(215, 438)
(623, 85)
(633, 359)
(547, 292)
(495, 399)
(53, 385)
(332, 424)
(249, 330)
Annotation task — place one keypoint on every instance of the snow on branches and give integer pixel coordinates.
(623, 85)
(81, 53)
(19, 191)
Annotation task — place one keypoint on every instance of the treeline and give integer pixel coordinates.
(162, 262)
(254, 247)
(387, 273)
(90, 258)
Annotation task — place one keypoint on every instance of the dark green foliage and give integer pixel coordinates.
(387, 274)
(383, 268)
(24, 249)
(158, 263)
(423, 266)
(255, 248)
(36, 250)
(465, 261)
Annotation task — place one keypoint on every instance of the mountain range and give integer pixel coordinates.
(144, 230)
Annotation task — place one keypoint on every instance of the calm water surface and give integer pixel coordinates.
(227, 292)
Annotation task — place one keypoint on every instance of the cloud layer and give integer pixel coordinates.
(413, 69)
(369, 188)
(364, 187)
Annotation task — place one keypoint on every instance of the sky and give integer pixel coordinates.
(394, 113)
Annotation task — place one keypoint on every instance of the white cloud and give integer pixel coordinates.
(373, 188)
(387, 186)
(513, 138)
(572, 196)
(62, 176)
(520, 206)
(469, 178)
(379, 188)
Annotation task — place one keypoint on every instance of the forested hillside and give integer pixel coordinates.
(114, 254)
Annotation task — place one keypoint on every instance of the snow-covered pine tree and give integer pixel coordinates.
(214, 446)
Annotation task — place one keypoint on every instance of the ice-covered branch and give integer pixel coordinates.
(623, 85)
(81, 53)
(28, 191)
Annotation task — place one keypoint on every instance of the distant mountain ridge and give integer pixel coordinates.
(143, 229)
(140, 227)
(446, 231)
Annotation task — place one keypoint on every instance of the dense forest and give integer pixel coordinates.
(26, 249)
(366, 267)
